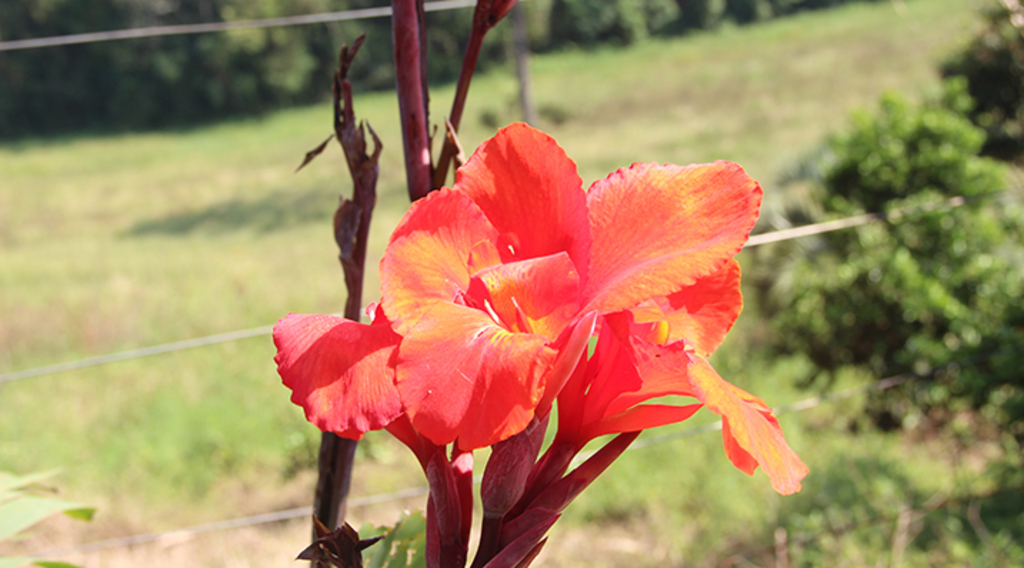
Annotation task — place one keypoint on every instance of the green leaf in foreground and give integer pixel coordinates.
(21, 513)
(22, 561)
(403, 546)
(11, 484)
(19, 510)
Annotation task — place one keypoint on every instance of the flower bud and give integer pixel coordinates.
(509, 467)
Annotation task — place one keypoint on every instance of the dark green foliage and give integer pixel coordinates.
(155, 81)
(748, 11)
(591, 22)
(993, 65)
(936, 289)
(588, 22)
(178, 80)
(173, 80)
(700, 14)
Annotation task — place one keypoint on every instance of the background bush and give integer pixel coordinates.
(993, 65)
(936, 290)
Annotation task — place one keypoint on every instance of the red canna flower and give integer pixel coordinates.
(491, 290)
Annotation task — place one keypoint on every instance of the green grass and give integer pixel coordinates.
(117, 242)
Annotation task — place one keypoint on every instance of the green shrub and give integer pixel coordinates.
(938, 289)
(993, 65)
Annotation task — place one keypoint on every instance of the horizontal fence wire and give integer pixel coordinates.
(849, 222)
(242, 522)
(756, 240)
(937, 502)
(183, 29)
(139, 353)
(302, 512)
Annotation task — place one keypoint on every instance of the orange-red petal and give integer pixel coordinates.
(429, 257)
(660, 370)
(640, 418)
(462, 376)
(538, 295)
(751, 433)
(700, 314)
(659, 228)
(530, 191)
(571, 348)
(340, 372)
(605, 394)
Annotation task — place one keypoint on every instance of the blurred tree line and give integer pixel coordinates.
(182, 79)
(174, 80)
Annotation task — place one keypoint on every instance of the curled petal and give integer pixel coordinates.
(530, 191)
(340, 372)
(571, 347)
(640, 418)
(641, 370)
(700, 314)
(531, 296)
(605, 394)
(659, 228)
(430, 255)
(462, 376)
(751, 433)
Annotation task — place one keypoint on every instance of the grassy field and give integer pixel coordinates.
(110, 243)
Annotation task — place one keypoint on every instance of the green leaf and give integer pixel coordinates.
(24, 561)
(10, 483)
(81, 513)
(23, 512)
(408, 535)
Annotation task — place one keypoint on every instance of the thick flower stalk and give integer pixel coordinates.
(491, 293)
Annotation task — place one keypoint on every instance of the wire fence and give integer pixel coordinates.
(412, 492)
(756, 240)
(183, 29)
(230, 524)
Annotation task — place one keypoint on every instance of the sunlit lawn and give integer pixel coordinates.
(110, 243)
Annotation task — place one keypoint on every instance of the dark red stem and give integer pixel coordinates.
(559, 494)
(407, 34)
(476, 42)
(490, 538)
(551, 467)
(462, 468)
(444, 515)
(351, 233)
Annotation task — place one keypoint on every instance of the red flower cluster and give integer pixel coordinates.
(493, 289)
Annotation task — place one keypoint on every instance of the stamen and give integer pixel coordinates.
(521, 320)
(659, 333)
(491, 312)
